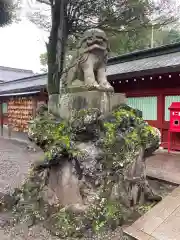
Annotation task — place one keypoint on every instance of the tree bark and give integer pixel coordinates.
(56, 47)
(56, 53)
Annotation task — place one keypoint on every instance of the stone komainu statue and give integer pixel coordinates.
(89, 63)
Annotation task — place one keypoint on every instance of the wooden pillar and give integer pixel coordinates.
(34, 107)
(160, 114)
(9, 130)
(1, 117)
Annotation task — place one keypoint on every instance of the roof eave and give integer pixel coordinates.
(151, 52)
(147, 72)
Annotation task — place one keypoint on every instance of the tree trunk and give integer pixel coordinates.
(56, 52)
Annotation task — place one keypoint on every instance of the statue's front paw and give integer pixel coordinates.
(107, 87)
(110, 88)
(93, 86)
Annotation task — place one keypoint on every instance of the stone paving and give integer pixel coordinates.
(15, 136)
(162, 222)
(164, 166)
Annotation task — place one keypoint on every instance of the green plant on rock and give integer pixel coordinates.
(140, 133)
(67, 224)
(107, 214)
(52, 136)
(145, 208)
(30, 207)
(102, 215)
(110, 133)
(128, 129)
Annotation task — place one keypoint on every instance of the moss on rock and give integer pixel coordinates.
(102, 152)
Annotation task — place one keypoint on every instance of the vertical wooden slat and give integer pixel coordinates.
(168, 101)
(148, 106)
(4, 107)
(160, 113)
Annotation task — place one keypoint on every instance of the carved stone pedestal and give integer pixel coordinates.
(75, 101)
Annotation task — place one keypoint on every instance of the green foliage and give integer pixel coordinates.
(110, 133)
(7, 8)
(43, 62)
(102, 215)
(59, 137)
(145, 208)
(165, 36)
(139, 135)
(67, 224)
(53, 137)
(107, 214)
(126, 42)
(120, 152)
(30, 207)
(45, 131)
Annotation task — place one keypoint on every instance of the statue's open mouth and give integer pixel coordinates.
(95, 46)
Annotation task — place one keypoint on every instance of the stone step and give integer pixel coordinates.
(164, 166)
(161, 222)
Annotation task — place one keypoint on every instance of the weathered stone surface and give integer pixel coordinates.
(88, 65)
(63, 186)
(70, 103)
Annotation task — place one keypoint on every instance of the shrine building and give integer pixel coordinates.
(150, 78)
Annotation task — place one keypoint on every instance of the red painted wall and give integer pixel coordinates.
(156, 86)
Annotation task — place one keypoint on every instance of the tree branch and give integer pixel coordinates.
(48, 2)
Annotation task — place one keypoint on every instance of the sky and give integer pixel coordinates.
(21, 45)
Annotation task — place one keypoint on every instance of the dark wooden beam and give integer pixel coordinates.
(1, 117)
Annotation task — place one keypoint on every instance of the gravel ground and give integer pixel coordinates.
(15, 161)
(22, 233)
(40, 233)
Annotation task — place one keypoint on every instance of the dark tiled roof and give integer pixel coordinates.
(15, 69)
(8, 74)
(25, 84)
(167, 56)
(164, 61)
